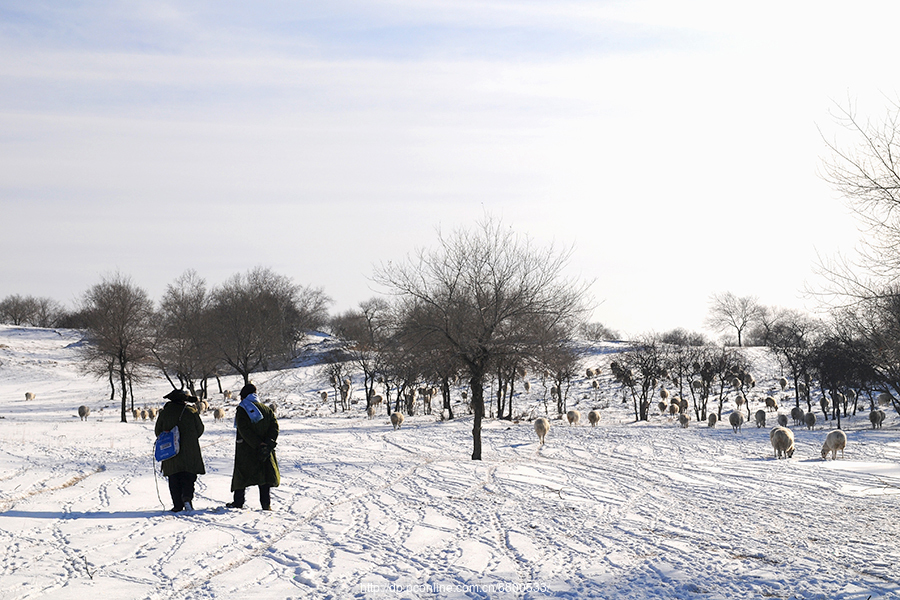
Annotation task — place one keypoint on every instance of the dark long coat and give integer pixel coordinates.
(190, 428)
(249, 470)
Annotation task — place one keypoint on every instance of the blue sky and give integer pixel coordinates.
(675, 147)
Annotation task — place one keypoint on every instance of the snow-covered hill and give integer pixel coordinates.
(623, 510)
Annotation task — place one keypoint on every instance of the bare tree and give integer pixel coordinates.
(119, 330)
(486, 294)
(727, 311)
(258, 319)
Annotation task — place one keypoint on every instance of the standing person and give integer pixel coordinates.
(183, 468)
(254, 453)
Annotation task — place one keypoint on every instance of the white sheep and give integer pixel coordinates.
(684, 419)
(527, 386)
(324, 396)
(664, 393)
(883, 399)
(227, 394)
(682, 403)
(740, 400)
(877, 418)
(736, 419)
(749, 381)
(589, 373)
(662, 406)
(783, 383)
(697, 385)
(135, 413)
(541, 428)
(771, 403)
(782, 440)
(594, 417)
(834, 441)
(810, 420)
(151, 413)
(674, 408)
(573, 416)
(29, 396)
(218, 414)
(782, 420)
(144, 414)
(760, 417)
(712, 420)
(396, 419)
(83, 412)
(370, 412)
(797, 415)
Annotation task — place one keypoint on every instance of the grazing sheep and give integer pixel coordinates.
(697, 385)
(227, 394)
(760, 417)
(797, 414)
(749, 381)
(595, 385)
(834, 441)
(713, 419)
(83, 412)
(684, 419)
(377, 399)
(782, 382)
(135, 413)
(771, 404)
(151, 413)
(396, 420)
(782, 420)
(324, 396)
(29, 396)
(144, 414)
(573, 416)
(851, 396)
(541, 427)
(594, 417)
(662, 406)
(877, 418)
(823, 404)
(370, 412)
(664, 393)
(883, 399)
(272, 406)
(736, 419)
(810, 420)
(218, 414)
(735, 382)
(740, 400)
(674, 408)
(839, 398)
(526, 385)
(589, 373)
(782, 442)
(682, 404)
(801, 388)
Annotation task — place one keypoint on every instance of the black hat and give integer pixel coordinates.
(247, 390)
(177, 396)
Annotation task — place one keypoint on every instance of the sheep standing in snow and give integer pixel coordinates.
(83, 412)
(876, 417)
(135, 413)
(797, 415)
(760, 417)
(736, 419)
(396, 420)
(227, 394)
(883, 399)
(684, 419)
(573, 416)
(29, 396)
(662, 406)
(370, 412)
(674, 408)
(541, 427)
(834, 441)
(682, 404)
(771, 403)
(218, 414)
(782, 420)
(740, 400)
(712, 420)
(810, 420)
(782, 440)
(783, 383)
(664, 393)
(151, 413)
(144, 414)
(594, 417)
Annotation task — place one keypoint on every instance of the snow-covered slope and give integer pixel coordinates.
(623, 510)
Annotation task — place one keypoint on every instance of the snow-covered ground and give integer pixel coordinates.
(623, 510)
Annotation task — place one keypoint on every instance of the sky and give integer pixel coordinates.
(677, 150)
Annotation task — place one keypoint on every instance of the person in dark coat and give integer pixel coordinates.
(183, 468)
(254, 453)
